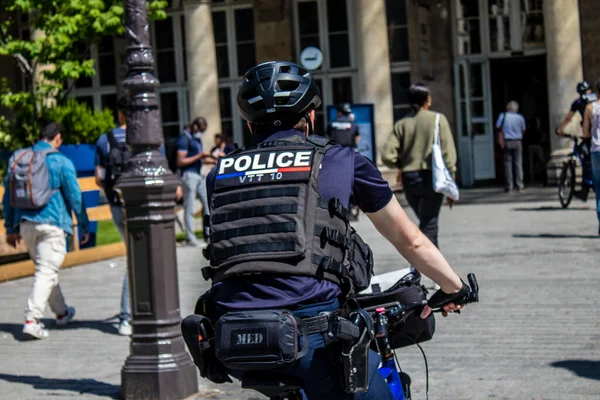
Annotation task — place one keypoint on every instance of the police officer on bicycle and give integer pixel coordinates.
(280, 237)
(343, 130)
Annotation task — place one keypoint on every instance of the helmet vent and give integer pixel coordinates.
(288, 86)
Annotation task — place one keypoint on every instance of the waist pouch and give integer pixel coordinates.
(260, 339)
(359, 262)
(406, 291)
(198, 334)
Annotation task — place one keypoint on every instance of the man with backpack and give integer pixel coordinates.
(41, 192)
(112, 155)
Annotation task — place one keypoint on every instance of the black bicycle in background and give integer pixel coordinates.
(567, 181)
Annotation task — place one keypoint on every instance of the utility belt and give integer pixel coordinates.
(273, 339)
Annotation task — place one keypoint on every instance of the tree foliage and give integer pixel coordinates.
(55, 55)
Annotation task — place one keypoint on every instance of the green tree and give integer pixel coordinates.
(55, 56)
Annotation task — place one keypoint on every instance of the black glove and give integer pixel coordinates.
(440, 299)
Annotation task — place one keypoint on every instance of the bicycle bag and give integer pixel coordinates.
(260, 339)
(407, 290)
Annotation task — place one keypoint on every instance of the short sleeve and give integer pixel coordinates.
(574, 106)
(182, 143)
(370, 191)
(100, 151)
(499, 120)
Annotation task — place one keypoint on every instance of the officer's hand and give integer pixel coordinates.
(86, 238)
(448, 308)
(450, 202)
(13, 239)
(560, 132)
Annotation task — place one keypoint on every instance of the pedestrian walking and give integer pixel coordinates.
(190, 156)
(511, 128)
(408, 148)
(112, 155)
(41, 192)
(591, 128)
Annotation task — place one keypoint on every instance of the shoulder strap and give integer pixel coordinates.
(319, 141)
(436, 139)
(112, 140)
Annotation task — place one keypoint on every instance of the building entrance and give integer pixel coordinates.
(524, 80)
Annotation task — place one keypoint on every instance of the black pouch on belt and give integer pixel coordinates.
(198, 334)
(359, 262)
(260, 339)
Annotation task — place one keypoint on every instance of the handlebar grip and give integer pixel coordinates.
(474, 296)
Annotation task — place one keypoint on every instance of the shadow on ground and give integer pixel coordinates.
(583, 368)
(554, 236)
(81, 386)
(552, 209)
(104, 326)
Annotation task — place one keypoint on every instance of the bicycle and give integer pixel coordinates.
(384, 317)
(566, 182)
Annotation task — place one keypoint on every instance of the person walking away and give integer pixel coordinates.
(591, 129)
(535, 150)
(343, 130)
(41, 192)
(112, 155)
(511, 128)
(190, 156)
(257, 223)
(408, 148)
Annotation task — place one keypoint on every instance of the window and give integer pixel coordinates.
(467, 27)
(400, 85)
(327, 25)
(397, 30)
(532, 17)
(397, 23)
(165, 50)
(515, 25)
(235, 47)
(169, 110)
(99, 91)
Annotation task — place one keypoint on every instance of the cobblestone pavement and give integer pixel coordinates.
(533, 336)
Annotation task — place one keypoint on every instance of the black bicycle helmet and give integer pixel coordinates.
(346, 109)
(277, 93)
(583, 87)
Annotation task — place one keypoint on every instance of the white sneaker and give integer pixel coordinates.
(35, 329)
(65, 319)
(125, 328)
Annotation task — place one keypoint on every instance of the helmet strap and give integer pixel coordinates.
(309, 123)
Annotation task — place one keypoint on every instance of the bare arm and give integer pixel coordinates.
(587, 121)
(567, 119)
(183, 160)
(393, 223)
(98, 175)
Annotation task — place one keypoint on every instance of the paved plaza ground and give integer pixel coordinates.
(535, 334)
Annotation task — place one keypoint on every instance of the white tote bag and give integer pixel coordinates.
(442, 179)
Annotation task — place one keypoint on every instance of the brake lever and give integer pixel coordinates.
(472, 297)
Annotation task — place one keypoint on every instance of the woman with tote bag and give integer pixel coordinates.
(411, 148)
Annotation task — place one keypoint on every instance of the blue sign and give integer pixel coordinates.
(364, 118)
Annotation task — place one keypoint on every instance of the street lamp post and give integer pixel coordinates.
(158, 366)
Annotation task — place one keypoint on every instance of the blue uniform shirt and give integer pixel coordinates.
(57, 212)
(512, 124)
(187, 142)
(346, 175)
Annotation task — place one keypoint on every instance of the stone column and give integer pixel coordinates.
(590, 38)
(203, 81)
(430, 46)
(374, 81)
(564, 63)
(273, 30)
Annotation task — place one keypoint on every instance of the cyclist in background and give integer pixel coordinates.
(591, 130)
(586, 96)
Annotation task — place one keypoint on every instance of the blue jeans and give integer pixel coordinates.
(596, 179)
(319, 373)
(194, 185)
(118, 217)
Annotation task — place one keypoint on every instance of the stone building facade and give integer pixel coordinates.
(475, 55)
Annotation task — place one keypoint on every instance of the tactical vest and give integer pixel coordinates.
(267, 216)
(342, 133)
